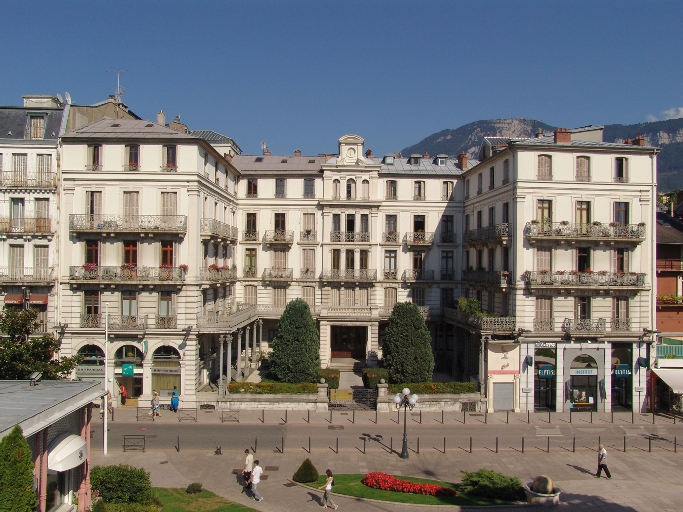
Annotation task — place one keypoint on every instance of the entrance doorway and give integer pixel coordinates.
(348, 342)
(583, 395)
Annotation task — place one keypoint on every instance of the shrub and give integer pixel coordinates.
(469, 306)
(490, 484)
(407, 345)
(274, 388)
(433, 388)
(194, 488)
(99, 506)
(295, 355)
(372, 376)
(331, 377)
(132, 507)
(389, 483)
(16, 473)
(306, 473)
(122, 484)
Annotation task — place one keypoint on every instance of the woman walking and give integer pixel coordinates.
(156, 407)
(174, 399)
(327, 500)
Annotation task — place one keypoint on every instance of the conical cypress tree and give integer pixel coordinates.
(407, 346)
(306, 473)
(16, 474)
(295, 355)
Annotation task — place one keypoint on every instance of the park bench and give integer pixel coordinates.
(230, 416)
(133, 442)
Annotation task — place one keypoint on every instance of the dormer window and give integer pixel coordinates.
(36, 128)
(440, 160)
(414, 159)
(389, 159)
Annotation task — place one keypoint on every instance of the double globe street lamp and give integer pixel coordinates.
(407, 401)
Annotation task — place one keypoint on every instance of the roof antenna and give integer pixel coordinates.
(119, 91)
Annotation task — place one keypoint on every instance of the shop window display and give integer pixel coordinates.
(583, 384)
(544, 379)
(622, 378)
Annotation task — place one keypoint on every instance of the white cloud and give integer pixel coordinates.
(651, 119)
(672, 113)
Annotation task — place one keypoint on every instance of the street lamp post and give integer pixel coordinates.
(406, 400)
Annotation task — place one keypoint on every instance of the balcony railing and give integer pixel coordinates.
(482, 323)
(544, 324)
(417, 275)
(353, 312)
(36, 226)
(131, 167)
(221, 319)
(28, 180)
(494, 277)
(250, 236)
(308, 273)
(25, 275)
(390, 274)
(670, 265)
(567, 230)
(447, 275)
(669, 350)
(418, 197)
(216, 228)
(169, 168)
(447, 238)
(218, 274)
(497, 232)
(250, 272)
(279, 236)
(93, 167)
(584, 326)
(419, 239)
(390, 197)
(278, 274)
(563, 278)
(125, 273)
(364, 275)
(308, 236)
(128, 223)
(391, 238)
(349, 236)
(621, 324)
(166, 322)
(116, 322)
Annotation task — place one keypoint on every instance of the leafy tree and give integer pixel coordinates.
(296, 347)
(22, 354)
(122, 484)
(407, 345)
(469, 306)
(16, 474)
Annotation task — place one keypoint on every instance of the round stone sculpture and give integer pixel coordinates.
(381, 381)
(322, 381)
(543, 484)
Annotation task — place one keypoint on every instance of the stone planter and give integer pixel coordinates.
(536, 498)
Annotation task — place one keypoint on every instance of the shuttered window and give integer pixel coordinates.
(544, 167)
(620, 307)
(621, 260)
(389, 297)
(94, 203)
(308, 294)
(543, 259)
(309, 222)
(349, 297)
(309, 259)
(582, 168)
(250, 294)
(419, 296)
(43, 167)
(544, 308)
(279, 297)
(169, 203)
(37, 127)
(335, 296)
(280, 259)
(131, 205)
(40, 261)
(19, 166)
(362, 294)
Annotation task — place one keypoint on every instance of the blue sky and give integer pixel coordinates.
(300, 74)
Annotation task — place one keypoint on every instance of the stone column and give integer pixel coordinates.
(253, 348)
(42, 506)
(608, 378)
(559, 378)
(221, 384)
(229, 358)
(516, 393)
(238, 372)
(260, 339)
(246, 352)
(383, 404)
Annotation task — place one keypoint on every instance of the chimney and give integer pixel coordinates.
(539, 133)
(228, 157)
(627, 141)
(562, 136)
(297, 152)
(266, 152)
(161, 118)
(638, 141)
(462, 160)
(368, 153)
(426, 155)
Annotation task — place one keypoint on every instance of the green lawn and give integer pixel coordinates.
(351, 485)
(177, 500)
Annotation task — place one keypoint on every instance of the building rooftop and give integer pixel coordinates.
(14, 123)
(426, 166)
(34, 407)
(126, 128)
(273, 164)
(669, 230)
(213, 137)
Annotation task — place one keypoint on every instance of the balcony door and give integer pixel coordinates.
(131, 209)
(17, 215)
(348, 341)
(16, 261)
(40, 262)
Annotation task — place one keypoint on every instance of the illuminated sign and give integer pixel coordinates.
(546, 371)
(622, 370)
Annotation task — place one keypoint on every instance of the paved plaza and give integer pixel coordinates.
(642, 480)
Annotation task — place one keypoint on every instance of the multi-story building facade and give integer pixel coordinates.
(559, 248)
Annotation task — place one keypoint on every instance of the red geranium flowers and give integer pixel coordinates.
(389, 483)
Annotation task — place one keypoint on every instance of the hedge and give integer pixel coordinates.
(122, 484)
(372, 376)
(132, 507)
(331, 377)
(491, 484)
(273, 388)
(436, 388)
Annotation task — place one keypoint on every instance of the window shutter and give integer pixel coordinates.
(169, 203)
(542, 259)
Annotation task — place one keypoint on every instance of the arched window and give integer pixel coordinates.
(545, 171)
(365, 191)
(583, 386)
(336, 193)
(92, 355)
(350, 189)
(165, 370)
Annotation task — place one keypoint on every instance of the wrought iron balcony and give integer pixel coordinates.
(169, 168)
(28, 180)
(417, 275)
(544, 324)
(390, 274)
(499, 232)
(349, 236)
(418, 197)
(218, 274)
(584, 326)
(131, 167)
(166, 322)
(621, 324)
(128, 223)
(93, 167)
(308, 236)
(447, 238)
(574, 278)
(391, 238)
(391, 197)
(492, 277)
(447, 275)
(126, 273)
(116, 322)
(418, 239)
(249, 272)
(308, 273)
(595, 231)
(27, 226)
(215, 228)
(278, 237)
(221, 319)
(359, 276)
(278, 274)
(250, 236)
(501, 324)
(28, 275)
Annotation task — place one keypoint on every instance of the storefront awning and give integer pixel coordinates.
(673, 377)
(66, 452)
(38, 298)
(14, 298)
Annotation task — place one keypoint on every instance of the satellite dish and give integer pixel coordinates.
(68, 97)
(59, 97)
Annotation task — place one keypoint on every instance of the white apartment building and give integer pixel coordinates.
(559, 248)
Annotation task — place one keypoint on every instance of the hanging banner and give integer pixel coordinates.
(546, 371)
(128, 370)
(622, 370)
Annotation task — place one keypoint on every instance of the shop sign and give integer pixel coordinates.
(128, 370)
(640, 389)
(166, 370)
(543, 344)
(90, 370)
(583, 371)
(527, 390)
(622, 370)
(546, 371)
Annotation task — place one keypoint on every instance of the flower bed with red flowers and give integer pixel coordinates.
(389, 483)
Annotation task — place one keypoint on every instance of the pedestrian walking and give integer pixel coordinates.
(124, 394)
(602, 462)
(156, 406)
(110, 403)
(254, 480)
(327, 500)
(174, 399)
(248, 467)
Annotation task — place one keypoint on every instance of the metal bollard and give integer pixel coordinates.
(570, 415)
(464, 417)
(599, 440)
(309, 444)
(548, 444)
(337, 446)
(263, 415)
(624, 444)
(574, 445)
(420, 416)
(470, 443)
(528, 416)
(548, 417)
(653, 417)
(391, 444)
(354, 417)
(442, 418)
(444, 446)
(507, 418)
(612, 416)
(418, 446)
(591, 417)
(309, 415)
(486, 416)
(496, 445)
(522, 444)
(633, 415)
(255, 443)
(330, 417)
(649, 444)
(375, 417)
(398, 417)
(285, 415)
(364, 439)
(178, 447)
(283, 444)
